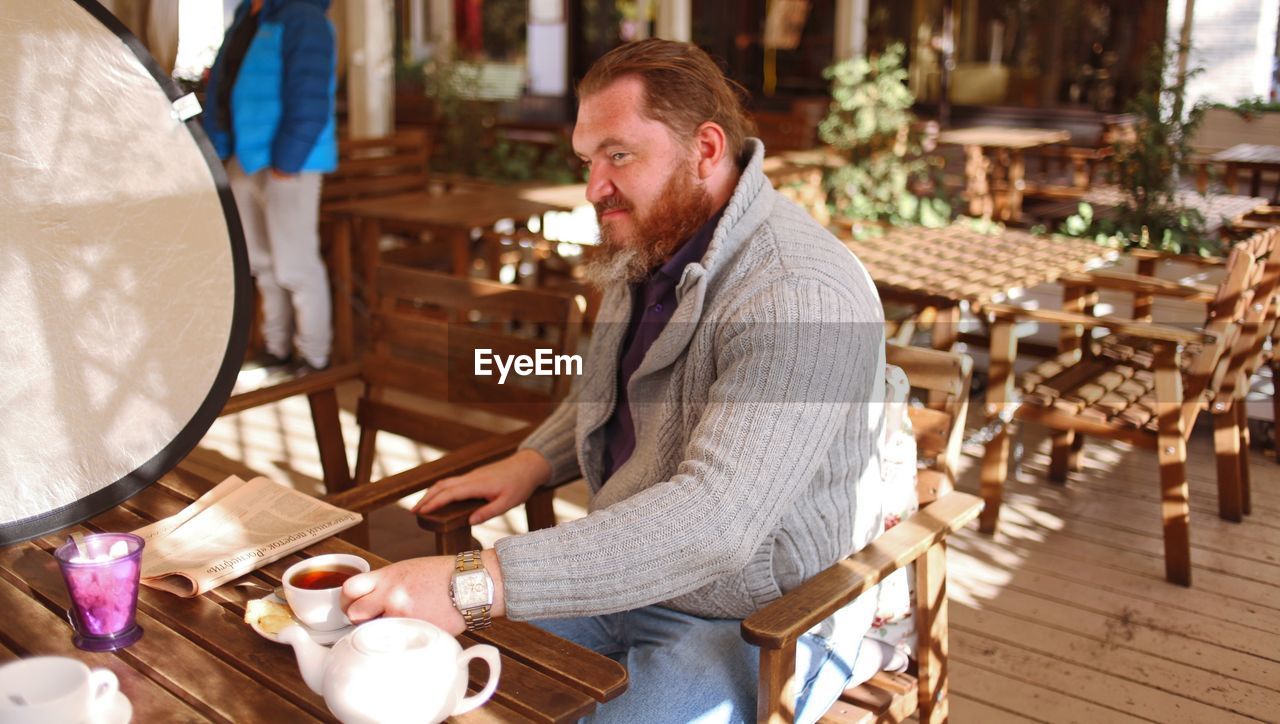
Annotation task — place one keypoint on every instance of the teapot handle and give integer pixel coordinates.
(490, 656)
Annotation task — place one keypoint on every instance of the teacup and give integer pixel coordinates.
(53, 689)
(313, 589)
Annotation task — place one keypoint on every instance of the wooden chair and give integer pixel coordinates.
(539, 265)
(944, 377)
(384, 166)
(1136, 385)
(420, 383)
(367, 168)
(776, 628)
(794, 130)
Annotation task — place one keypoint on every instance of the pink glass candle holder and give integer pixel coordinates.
(103, 589)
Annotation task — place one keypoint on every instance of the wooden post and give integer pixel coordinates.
(1061, 455)
(995, 460)
(674, 20)
(931, 633)
(1246, 493)
(370, 68)
(776, 693)
(333, 452)
(1171, 448)
(1226, 448)
(344, 349)
(851, 29)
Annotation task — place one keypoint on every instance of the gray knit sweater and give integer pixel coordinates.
(754, 466)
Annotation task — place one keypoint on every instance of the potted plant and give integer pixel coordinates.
(468, 141)
(870, 122)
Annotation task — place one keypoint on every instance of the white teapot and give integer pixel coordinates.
(392, 671)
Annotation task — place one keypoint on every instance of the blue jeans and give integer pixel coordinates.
(683, 668)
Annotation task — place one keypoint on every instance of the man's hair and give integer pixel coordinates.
(683, 88)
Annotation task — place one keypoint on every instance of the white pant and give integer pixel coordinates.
(280, 218)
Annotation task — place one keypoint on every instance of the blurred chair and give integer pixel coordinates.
(383, 166)
(776, 628)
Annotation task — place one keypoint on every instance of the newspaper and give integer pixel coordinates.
(231, 530)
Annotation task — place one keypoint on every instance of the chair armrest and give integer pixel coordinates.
(304, 385)
(781, 623)
(1140, 284)
(1151, 254)
(391, 488)
(1120, 325)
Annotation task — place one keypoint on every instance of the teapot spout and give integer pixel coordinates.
(312, 657)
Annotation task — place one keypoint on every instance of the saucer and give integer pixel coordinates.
(324, 638)
(118, 711)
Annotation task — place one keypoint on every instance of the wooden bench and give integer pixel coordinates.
(1137, 385)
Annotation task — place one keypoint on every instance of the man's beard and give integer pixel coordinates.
(679, 211)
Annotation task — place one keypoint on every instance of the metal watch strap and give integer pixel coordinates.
(479, 617)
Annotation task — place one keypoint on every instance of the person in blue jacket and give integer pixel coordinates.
(269, 112)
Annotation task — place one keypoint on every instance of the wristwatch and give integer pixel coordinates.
(471, 589)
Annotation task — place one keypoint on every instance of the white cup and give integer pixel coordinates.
(320, 609)
(53, 689)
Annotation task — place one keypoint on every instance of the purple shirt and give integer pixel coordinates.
(653, 302)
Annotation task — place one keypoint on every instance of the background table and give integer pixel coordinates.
(199, 661)
(1220, 211)
(995, 169)
(1255, 159)
(944, 268)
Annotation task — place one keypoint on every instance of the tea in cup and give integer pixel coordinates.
(54, 689)
(313, 589)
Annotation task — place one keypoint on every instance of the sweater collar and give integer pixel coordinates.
(740, 216)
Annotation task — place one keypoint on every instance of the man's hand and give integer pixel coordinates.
(277, 173)
(505, 484)
(415, 588)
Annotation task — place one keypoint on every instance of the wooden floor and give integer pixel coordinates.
(1063, 616)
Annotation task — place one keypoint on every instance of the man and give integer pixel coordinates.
(721, 423)
(270, 114)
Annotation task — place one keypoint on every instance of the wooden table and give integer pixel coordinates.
(944, 269)
(1220, 211)
(1254, 159)
(995, 170)
(198, 661)
(562, 197)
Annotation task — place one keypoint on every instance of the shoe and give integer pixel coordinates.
(266, 361)
(303, 367)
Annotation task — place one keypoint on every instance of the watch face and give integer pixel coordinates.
(472, 589)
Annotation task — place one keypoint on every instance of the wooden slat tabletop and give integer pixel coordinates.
(1002, 137)
(199, 661)
(1250, 153)
(565, 197)
(957, 263)
(1214, 207)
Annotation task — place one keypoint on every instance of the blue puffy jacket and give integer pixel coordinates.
(283, 99)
